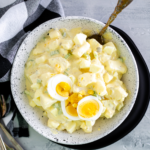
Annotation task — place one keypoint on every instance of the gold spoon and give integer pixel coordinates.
(120, 6)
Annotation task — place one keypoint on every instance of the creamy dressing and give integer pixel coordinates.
(91, 70)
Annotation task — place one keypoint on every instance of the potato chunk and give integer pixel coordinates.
(35, 86)
(120, 105)
(86, 78)
(87, 129)
(67, 44)
(55, 34)
(52, 123)
(90, 123)
(116, 90)
(54, 45)
(45, 77)
(71, 127)
(100, 87)
(37, 93)
(52, 110)
(85, 63)
(116, 93)
(33, 78)
(44, 68)
(110, 106)
(95, 46)
(59, 64)
(116, 65)
(115, 83)
(96, 66)
(78, 52)
(46, 101)
(117, 75)
(37, 101)
(75, 71)
(61, 127)
(63, 52)
(109, 48)
(107, 77)
(103, 58)
(78, 89)
(39, 49)
(40, 60)
(32, 103)
(80, 38)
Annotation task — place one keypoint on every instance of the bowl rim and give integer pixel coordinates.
(94, 21)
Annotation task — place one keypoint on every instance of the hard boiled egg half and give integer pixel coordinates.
(88, 108)
(59, 87)
(69, 106)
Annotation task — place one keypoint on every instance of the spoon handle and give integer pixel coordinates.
(120, 6)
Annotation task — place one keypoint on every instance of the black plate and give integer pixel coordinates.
(139, 108)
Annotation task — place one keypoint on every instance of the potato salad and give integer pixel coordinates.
(75, 80)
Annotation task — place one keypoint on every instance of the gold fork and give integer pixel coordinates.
(2, 145)
(11, 139)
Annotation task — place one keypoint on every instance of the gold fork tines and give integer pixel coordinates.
(2, 145)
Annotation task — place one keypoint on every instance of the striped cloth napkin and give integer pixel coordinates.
(17, 19)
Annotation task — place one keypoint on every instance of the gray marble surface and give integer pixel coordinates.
(135, 21)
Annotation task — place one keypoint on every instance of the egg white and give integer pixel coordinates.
(65, 112)
(52, 83)
(98, 113)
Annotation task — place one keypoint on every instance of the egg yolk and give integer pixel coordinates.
(58, 68)
(71, 104)
(71, 111)
(85, 70)
(74, 99)
(63, 89)
(88, 109)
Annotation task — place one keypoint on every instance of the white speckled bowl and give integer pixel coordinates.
(34, 116)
